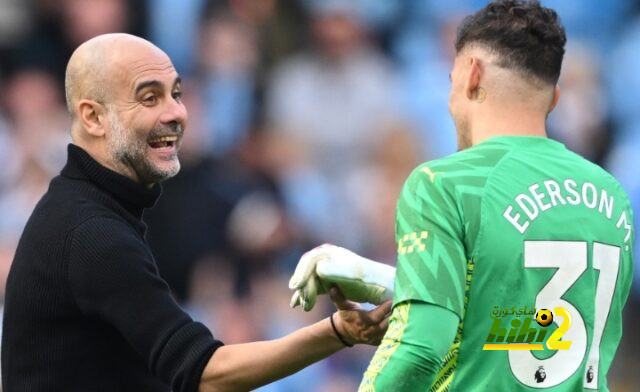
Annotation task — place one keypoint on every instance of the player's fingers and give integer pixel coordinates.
(384, 324)
(309, 294)
(322, 285)
(304, 269)
(381, 312)
(295, 299)
(336, 295)
(340, 301)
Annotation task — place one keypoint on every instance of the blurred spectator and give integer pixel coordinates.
(239, 40)
(66, 23)
(32, 149)
(38, 140)
(228, 57)
(622, 78)
(8, 156)
(581, 118)
(278, 26)
(395, 156)
(16, 20)
(580, 17)
(328, 109)
(425, 55)
(173, 27)
(624, 158)
(84, 19)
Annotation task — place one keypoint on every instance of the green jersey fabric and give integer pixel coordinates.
(517, 222)
(410, 355)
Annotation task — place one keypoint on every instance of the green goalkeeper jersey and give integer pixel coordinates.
(499, 231)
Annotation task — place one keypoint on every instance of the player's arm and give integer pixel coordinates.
(429, 284)
(242, 367)
(411, 353)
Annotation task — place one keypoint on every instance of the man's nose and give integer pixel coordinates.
(175, 112)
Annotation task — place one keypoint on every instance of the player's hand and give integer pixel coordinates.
(359, 279)
(356, 325)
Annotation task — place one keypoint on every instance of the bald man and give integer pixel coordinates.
(85, 308)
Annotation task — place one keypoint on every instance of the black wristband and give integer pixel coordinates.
(340, 338)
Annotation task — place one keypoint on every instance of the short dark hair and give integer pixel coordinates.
(526, 36)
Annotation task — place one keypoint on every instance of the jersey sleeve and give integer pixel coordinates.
(113, 278)
(431, 264)
(411, 353)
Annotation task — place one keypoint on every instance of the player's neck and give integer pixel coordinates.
(507, 122)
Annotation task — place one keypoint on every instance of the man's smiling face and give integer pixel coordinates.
(145, 115)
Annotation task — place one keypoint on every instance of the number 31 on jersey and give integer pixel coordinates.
(570, 260)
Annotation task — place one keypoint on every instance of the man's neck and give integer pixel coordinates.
(507, 122)
(100, 155)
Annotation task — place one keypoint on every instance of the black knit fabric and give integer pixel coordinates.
(85, 308)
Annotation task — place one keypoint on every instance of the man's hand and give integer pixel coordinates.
(358, 278)
(356, 325)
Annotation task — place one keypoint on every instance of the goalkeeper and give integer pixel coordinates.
(511, 219)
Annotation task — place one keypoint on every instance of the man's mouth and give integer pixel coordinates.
(163, 142)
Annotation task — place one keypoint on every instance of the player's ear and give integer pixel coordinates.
(92, 116)
(554, 100)
(473, 90)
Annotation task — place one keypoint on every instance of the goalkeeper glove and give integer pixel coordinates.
(358, 278)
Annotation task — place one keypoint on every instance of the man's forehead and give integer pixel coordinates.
(135, 68)
(141, 59)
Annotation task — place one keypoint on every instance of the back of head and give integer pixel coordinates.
(525, 37)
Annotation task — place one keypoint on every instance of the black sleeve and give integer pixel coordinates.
(113, 277)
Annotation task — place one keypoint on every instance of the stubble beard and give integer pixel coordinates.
(464, 136)
(128, 154)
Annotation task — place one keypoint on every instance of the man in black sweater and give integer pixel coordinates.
(85, 308)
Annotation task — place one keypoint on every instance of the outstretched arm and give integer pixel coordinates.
(242, 367)
(420, 335)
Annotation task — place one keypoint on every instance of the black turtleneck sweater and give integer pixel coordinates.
(85, 308)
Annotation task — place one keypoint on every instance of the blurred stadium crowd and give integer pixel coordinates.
(305, 118)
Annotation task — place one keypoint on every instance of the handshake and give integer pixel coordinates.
(359, 279)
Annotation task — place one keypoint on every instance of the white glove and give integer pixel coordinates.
(359, 279)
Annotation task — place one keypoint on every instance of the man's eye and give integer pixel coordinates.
(150, 99)
(177, 95)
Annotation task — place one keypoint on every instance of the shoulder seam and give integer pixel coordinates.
(481, 230)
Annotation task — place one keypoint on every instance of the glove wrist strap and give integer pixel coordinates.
(335, 330)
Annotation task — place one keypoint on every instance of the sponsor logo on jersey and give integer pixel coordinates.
(431, 174)
(590, 374)
(540, 375)
(527, 333)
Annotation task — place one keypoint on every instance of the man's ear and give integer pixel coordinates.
(92, 115)
(472, 85)
(554, 100)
